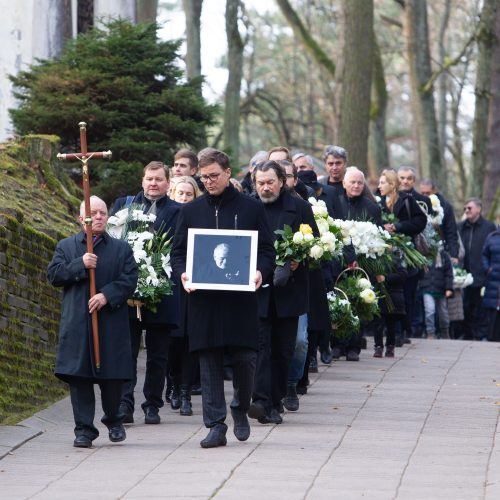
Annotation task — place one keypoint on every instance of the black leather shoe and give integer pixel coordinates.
(186, 408)
(336, 353)
(406, 340)
(82, 442)
(241, 426)
(272, 418)
(326, 357)
(352, 356)
(126, 413)
(216, 437)
(256, 410)
(195, 390)
(291, 400)
(151, 415)
(313, 365)
(175, 397)
(399, 342)
(117, 434)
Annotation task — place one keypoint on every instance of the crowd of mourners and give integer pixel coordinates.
(268, 341)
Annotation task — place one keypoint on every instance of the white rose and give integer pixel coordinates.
(364, 283)
(328, 238)
(298, 238)
(368, 296)
(316, 252)
(308, 237)
(323, 226)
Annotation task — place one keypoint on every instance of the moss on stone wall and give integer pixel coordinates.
(38, 206)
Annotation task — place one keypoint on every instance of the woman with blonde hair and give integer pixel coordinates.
(184, 189)
(402, 215)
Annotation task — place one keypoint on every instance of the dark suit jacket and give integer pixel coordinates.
(167, 211)
(293, 298)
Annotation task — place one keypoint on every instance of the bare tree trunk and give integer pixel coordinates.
(442, 82)
(418, 53)
(378, 154)
(146, 10)
(492, 178)
(235, 66)
(85, 15)
(486, 46)
(354, 106)
(192, 10)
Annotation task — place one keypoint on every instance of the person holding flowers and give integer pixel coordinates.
(402, 215)
(153, 200)
(284, 297)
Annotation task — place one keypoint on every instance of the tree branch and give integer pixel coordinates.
(305, 37)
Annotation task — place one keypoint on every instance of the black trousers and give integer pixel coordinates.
(182, 364)
(389, 321)
(212, 382)
(83, 403)
(157, 341)
(475, 315)
(410, 294)
(277, 338)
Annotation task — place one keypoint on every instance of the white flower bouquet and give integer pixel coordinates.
(360, 292)
(369, 242)
(438, 216)
(151, 252)
(344, 322)
(461, 278)
(331, 238)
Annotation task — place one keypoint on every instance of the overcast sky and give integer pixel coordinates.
(213, 38)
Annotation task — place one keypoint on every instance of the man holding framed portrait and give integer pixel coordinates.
(220, 318)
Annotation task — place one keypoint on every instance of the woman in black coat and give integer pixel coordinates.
(409, 220)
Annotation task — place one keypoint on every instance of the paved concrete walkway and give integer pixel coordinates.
(423, 425)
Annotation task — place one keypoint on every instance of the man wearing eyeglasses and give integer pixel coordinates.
(474, 231)
(223, 322)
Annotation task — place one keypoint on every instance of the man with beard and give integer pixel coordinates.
(220, 321)
(279, 305)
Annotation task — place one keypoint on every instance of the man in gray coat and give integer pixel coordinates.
(116, 279)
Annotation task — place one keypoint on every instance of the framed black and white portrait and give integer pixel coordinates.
(222, 259)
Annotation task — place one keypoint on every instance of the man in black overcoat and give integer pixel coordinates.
(279, 305)
(474, 230)
(352, 204)
(221, 321)
(116, 279)
(154, 199)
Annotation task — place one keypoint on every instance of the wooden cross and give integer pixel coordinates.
(84, 156)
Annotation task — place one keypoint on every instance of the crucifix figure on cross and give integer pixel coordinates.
(84, 156)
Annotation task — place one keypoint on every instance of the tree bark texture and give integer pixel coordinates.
(146, 10)
(192, 10)
(354, 100)
(235, 66)
(486, 47)
(418, 53)
(85, 15)
(491, 189)
(443, 81)
(378, 154)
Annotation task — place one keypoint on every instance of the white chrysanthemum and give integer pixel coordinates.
(368, 296)
(140, 255)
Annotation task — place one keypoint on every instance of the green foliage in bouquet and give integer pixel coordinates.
(344, 322)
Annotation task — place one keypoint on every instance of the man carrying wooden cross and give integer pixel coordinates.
(115, 280)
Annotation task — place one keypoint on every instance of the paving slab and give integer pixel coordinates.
(421, 425)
